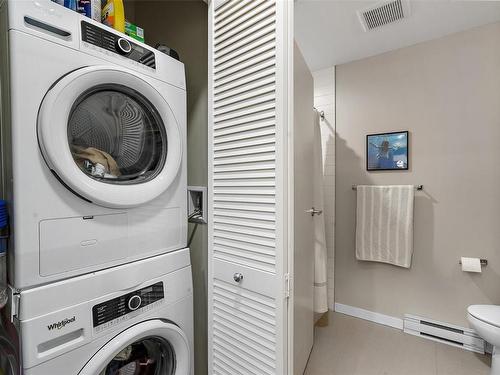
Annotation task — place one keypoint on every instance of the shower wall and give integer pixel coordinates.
(324, 100)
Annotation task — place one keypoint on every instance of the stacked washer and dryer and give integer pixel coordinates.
(93, 140)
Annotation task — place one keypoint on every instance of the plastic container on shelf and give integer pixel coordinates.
(90, 8)
(134, 31)
(113, 15)
(70, 4)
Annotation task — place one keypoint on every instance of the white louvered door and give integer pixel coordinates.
(249, 44)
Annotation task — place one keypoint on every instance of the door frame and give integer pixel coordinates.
(285, 160)
(289, 40)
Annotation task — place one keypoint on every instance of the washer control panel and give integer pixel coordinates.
(109, 41)
(109, 313)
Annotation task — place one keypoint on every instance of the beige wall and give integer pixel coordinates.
(182, 25)
(446, 92)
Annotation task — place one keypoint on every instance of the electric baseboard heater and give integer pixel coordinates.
(445, 333)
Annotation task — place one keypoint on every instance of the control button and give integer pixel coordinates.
(134, 302)
(123, 46)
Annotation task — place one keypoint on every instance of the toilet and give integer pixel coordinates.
(485, 319)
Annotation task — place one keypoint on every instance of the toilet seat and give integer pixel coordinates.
(489, 314)
(485, 319)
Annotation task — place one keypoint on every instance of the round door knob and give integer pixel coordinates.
(238, 277)
(134, 302)
(123, 46)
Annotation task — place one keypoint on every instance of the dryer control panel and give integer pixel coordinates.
(109, 313)
(109, 41)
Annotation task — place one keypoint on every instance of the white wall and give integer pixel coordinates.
(324, 100)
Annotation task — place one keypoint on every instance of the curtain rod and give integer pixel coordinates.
(321, 113)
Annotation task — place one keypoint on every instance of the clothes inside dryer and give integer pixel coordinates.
(149, 356)
(116, 136)
(95, 162)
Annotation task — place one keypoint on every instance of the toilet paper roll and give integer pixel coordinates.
(471, 264)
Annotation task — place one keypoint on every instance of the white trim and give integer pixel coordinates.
(371, 316)
(283, 250)
(472, 342)
(210, 186)
(288, 37)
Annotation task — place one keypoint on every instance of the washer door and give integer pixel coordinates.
(154, 347)
(110, 137)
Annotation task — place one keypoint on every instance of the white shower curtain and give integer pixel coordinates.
(320, 254)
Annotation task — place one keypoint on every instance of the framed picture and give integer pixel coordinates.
(387, 151)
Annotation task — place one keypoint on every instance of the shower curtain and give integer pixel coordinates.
(320, 254)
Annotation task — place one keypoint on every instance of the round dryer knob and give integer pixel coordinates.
(123, 46)
(134, 302)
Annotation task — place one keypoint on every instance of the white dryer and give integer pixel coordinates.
(93, 144)
(133, 319)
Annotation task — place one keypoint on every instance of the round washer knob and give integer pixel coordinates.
(134, 302)
(123, 46)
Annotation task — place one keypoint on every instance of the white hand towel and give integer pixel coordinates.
(384, 224)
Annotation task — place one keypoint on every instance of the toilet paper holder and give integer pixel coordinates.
(484, 262)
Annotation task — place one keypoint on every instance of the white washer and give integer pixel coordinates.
(93, 144)
(115, 321)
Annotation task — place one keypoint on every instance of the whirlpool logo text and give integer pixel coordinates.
(61, 324)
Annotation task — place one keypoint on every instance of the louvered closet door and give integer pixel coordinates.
(247, 187)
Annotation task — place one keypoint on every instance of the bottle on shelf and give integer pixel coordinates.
(113, 15)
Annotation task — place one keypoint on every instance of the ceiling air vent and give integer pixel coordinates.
(384, 13)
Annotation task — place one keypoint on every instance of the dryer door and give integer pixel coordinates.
(110, 137)
(153, 347)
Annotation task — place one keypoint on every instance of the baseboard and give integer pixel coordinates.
(389, 321)
(371, 316)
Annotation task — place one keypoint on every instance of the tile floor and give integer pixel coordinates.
(351, 346)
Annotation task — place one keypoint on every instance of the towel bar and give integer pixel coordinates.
(417, 187)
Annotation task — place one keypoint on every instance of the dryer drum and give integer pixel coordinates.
(116, 135)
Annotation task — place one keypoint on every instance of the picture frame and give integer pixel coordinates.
(388, 151)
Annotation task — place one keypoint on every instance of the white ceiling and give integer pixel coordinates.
(329, 33)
